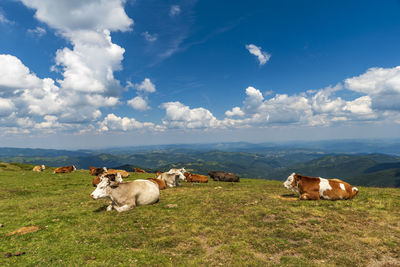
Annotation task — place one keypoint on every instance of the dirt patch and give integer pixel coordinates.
(288, 197)
(385, 261)
(25, 230)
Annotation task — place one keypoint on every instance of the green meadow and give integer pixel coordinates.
(251, 223)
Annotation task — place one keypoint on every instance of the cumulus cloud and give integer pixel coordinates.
(236, 111)
(115, 123)
(174, 10)
(138, 103)
(38, 31)
(146, 86)
(262, 56)
(180, 116)
(150, 37)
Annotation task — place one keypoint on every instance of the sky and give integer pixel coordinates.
(96, 73)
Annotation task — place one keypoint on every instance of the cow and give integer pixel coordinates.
(113, 177)
(96, 171)
(224, 176)
(161, 184)
(140, 170)
(195, 178)
(123, 173)
(66, 169)
(315, 188)
(127, 195)
(171, 179)
(39, 168)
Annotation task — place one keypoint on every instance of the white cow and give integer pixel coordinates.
(171, 179)
(127, 195)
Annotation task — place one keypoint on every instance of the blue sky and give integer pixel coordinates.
(77, 74)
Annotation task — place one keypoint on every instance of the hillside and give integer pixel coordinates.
(251, 223)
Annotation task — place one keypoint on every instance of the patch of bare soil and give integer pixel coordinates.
(385, 261)
(25, 230)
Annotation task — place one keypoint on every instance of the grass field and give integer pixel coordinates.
(251, 223)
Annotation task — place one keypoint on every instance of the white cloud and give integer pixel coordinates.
(115, 123)
(150, 37)
(180, 116)
(138, 103)
(146, 86)
(236, 111)
(262, 56)
(174, 10)
(38, 31)
(6, 107)
(3, 18)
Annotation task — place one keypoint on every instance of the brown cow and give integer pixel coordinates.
(161, 184)
(140, 170)
(66, 169)
(96, 171)
(315, 188)
(123, 173)
(195, 178)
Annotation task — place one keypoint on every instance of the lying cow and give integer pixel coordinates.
(224, 176)
(181, 170)
(127, 195)
(123, 173)
(66, 169)
(113, 177)
(315, 188)
(140, 170)
(39, 168)
(96, 171)
(160, 183)
(195, 178)
(171, 179)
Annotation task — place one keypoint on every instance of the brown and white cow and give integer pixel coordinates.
(113, 177)
(140, 170)
(127, 195)
(315, 188)
(39, 168)
(161, 184)
(66, 169)
(123, 173)
(96, 171)
(195, 178)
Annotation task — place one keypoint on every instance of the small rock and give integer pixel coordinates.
(1, 225)
(19, 253)
(7, 255)
(171, 206)
(93, 258)
(218, 187)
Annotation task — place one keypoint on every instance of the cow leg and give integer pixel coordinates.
(308, 196)
(124, 208)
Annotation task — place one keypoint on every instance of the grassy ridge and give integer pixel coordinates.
(253, 223)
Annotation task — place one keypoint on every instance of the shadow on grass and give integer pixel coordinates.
(290, 196)
(102, 208)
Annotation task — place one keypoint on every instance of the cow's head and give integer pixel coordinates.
(106, 180)
(42, 167)
(73, 167)
(291, 182)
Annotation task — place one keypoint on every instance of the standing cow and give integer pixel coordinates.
(315, 188)
(126, 196)
(224, 176)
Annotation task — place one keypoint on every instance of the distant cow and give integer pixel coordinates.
(39, 168)
(140, 170)
(96, 171)
(315, 188)
(126, 196)
(113, 177)
(224, 176)
(161, 184)
(123, 173)
(195, 178)
(171, 179)
(66, 169)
